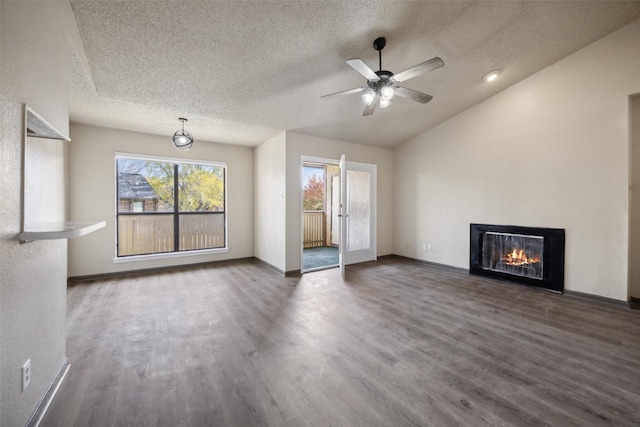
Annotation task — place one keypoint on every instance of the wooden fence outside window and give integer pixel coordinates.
(149, 234)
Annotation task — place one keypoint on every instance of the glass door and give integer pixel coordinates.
(357, 213)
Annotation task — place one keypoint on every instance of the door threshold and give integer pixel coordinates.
(324, 267)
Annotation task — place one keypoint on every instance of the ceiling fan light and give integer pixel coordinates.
(387, 92)
(384, 103)
(182, 140)
(368, 97)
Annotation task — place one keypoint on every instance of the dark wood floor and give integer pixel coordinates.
(398, 343)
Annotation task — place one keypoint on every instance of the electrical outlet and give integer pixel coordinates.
(429, 248)
(26, 374)
(268, 247)
(424, 247)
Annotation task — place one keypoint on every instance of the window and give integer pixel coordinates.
(168, 205)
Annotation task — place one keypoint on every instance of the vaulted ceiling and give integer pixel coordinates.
(243, 71)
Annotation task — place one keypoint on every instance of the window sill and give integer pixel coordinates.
(151, 257)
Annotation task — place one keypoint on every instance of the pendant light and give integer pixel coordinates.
(182, 140)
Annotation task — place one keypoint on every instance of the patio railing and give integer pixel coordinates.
(148, 234)
(313, 229)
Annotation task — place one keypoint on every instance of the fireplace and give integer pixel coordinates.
(529, 255)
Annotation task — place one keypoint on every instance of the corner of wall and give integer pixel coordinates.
(270, 198)
(34, 56)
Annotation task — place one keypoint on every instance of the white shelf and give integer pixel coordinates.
(60, 230)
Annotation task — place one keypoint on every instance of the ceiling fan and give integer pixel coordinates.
(382, 85)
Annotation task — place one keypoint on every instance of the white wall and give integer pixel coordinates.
(303, 145)
(92, 195)
(270, 201)
(634, 199)
(45, 181)
(551, 151)
(34, 70)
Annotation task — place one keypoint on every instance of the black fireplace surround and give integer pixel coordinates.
(551, 259)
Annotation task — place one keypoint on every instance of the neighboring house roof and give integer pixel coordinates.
(134, 186)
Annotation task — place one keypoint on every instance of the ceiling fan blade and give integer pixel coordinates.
(363, 69)
(420, 97)
(369, 109)
(430, 65)
(345, 92)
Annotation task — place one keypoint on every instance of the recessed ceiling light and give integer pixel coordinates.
(491, 76)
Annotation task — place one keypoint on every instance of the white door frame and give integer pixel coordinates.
(308, 159)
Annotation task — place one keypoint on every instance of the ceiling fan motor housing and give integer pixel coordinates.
(385, 80)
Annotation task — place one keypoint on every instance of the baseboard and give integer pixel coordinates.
(45, 402)
(431, 263)
(292, 273)
(281, 272)
(271, 267)
(596, 298)
(633, 302)
(118, 274)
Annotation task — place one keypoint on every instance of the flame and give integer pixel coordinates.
(518, 257)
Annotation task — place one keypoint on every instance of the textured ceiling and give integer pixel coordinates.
(243, 71)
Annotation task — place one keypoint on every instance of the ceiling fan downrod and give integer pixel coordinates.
(379, 44)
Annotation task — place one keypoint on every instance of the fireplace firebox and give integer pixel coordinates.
(530, 255)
